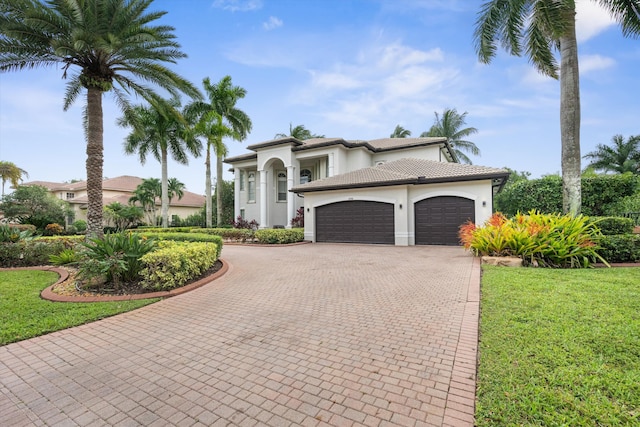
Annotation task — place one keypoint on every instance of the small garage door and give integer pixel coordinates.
(355, 221)
(438, 219)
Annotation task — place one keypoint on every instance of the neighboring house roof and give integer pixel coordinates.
(406, 171)
(374, 145)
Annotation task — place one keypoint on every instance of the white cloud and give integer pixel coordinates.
(272, 23)
(589, 63)
(591, 19)
(238, 5)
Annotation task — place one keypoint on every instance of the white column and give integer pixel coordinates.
(330, 160)
(263, 199)
(236, 191)
(291, 206)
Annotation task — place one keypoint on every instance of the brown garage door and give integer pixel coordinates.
(355, 221)
(438, 219)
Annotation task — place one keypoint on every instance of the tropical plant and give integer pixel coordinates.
(298, 132)
(175, 188)
(121, 216)
(298, 220)
(146, 194)
(243, 223)
(160, 130)
(67, 256)
(400, 132)
(216, 119)
(12, 173)
(115, 259)
(451, 126)
(620, 157)
(9, 234)
(112, 43)
(34, 205)
(540, 28)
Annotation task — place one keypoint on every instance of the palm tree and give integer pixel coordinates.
(160, 130)
(541, 28)
(298, 132)
(400, 132)
(622, 156)
(12, 173)
(146, 194)
(111, 43)
(175, 188)
(216, 119)
(451, 125)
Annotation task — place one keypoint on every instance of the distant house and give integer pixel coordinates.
(118, 189)
(399, 191)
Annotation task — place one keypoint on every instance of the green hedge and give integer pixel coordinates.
(27, 253)
(620, 248)
(280, 236)
(175, 263)
(613, 224)
(235, 234)
(186, 237)
(67, 240)
(161, 230)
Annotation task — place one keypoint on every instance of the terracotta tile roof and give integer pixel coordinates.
(404, 171)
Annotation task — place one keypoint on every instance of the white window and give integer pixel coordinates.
(305, 176)
(251, 184)
(242, 213)
(282, 187)
(241, 180)
(70, 196)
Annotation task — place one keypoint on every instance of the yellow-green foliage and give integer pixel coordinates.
(235, 234)
(67, 240)
(550, 240)
(175, 263)
(187, 237)
(280, 236)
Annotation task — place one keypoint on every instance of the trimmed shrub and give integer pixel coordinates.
(69, 241)
(187, 237)
(280, 236)
(547, 240)
(620, 248)
(609, 225)
(80, 225)
(233, 234)
(175, 263)
(27, 253)
(161, 230)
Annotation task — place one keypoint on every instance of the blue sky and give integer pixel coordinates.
(345, 68)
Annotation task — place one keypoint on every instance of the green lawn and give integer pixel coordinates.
(559, 347)
(23, 314)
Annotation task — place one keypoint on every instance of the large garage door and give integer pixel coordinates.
(438, 219)
(355, 221)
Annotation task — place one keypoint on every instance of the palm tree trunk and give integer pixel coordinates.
(94, 163)
(165, 190)
(570, 119)
(219, 189)
(208, 206)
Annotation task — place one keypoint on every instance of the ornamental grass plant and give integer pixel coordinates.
(541, 240)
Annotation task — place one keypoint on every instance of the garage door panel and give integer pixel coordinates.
(355, 222)
(438, 219)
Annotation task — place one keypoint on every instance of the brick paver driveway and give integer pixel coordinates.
(301, 335)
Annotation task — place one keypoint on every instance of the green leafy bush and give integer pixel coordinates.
(67, 256)
(234, 234)
(548, 240)
(80, 225)
(175, 263)
(280, 236)
(115, 258)
(620, 248)
(12, 234)
(613, 224)
(162, 230)
(187, 237)
(27, 253)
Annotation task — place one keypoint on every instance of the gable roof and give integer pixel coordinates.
(374, 145)
(406, 171)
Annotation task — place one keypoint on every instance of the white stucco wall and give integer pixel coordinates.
(423, 153)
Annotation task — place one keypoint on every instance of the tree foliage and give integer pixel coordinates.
(11, 173)
(619, 157)
(451, 126)
(400, 132)
(121, 216)
(299, 132)
(33, 205)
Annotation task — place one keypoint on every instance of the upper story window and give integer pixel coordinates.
(251, 187)
(282, 187)
(70, 196)
(241, 180)
(305, 176)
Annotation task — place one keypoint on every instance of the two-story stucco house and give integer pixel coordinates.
(402, 191)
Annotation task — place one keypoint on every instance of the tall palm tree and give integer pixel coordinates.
(451, 125)
(400, 132)
(298, 132)
(12, 173)
(160, 130)
(621, 156)
(216, 119)
(147, 194)
(101, 46)
(539, 29)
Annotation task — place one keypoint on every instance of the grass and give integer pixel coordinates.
(23, 314)
(559, 347)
